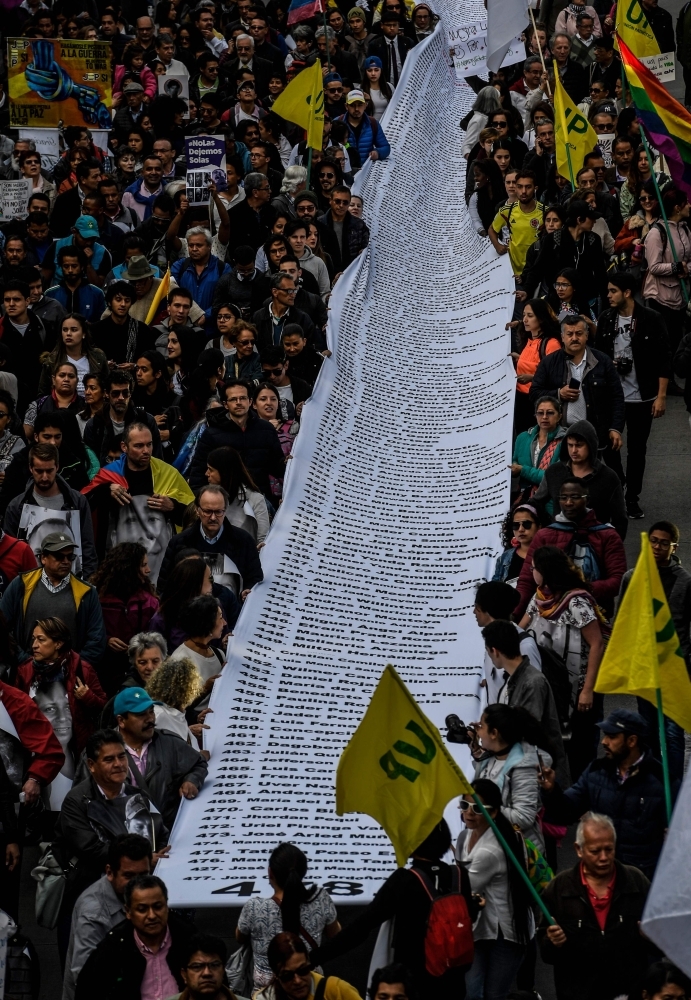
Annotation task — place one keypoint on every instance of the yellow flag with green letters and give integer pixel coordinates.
(643, 653)
(397, 769)
(633, 28)
(302, 102)
(574, 136)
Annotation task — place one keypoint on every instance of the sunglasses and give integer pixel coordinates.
(62, 556)
(115, 393)
(327, 177)
(517, 525)
(464, 806)
(287, 977)
(575, 496)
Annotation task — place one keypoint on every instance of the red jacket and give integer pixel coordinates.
(121, 620)
(35, 734)
(607, 547)
(85, 711)
(15, 557)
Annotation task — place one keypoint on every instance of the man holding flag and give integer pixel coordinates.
(574, 136)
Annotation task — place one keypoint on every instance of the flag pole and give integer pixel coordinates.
(542, 54)
(326, 37)
(664, 755)
(684, 292)
(309, 166)
(568, 157)
(519, 867)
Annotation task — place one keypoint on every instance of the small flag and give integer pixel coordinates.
(396, 768)
(302, 102)
(161, 293)
(574, 137)
(666, 122)
(644, 652)
(303, 10)
(633, 28)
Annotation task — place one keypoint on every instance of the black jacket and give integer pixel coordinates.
(262, 68)
(605, 492)
(313, 304)
(247, 295)
(559, 250)
(660, 20)
(249, 228)
(25, 352)
(636, 807)
(265, 327)
(575, 81)
(113, 339)
(234, 542)
(100, 437)
(72, 501)
(592, 963)
(601, 387)
(72, 469)
(355, 239)
(303, 370)
(652, 356)
(257, 444)
(380, 47)
(116, 967)
(66, 210)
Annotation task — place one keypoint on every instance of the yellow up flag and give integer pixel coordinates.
(397, 769)
(644, 653)
(573, 135)
(302, 102)
(161, 292)
(634, 30)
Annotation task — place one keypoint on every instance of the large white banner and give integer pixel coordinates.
(397, 486)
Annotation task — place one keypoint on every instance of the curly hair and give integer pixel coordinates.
(177, 682)
(118, 575)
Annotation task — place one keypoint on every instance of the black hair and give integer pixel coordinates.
(497, 599)
(127, 845)
(668, 527)
(71, 251)
(577, 210)
(623, 280)
(515, 724)
(99, 739)
(16, 285)
(288, 866)
(436, 843)
(520, 894)
(661, 974)
(182, 586)
(121, 287)
(503, 636)
(86, 166)
(559, 573)
(395, 973)
(206, 944)
(273, 355)
(143, 882)
(199, 616)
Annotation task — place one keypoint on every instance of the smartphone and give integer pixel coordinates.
(540, 766)
(575, 383)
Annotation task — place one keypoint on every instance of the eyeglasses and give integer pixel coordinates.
(661, 543)
(496, 124)
(116, 393)
(562, 498)
(517, 525)
(32, 163)
(562, 285)
(287, 976)
(200, 966)
(341, 202)
(287, 291)
(464, 806)
(212, 513)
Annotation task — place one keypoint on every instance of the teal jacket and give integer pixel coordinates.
(522, 455)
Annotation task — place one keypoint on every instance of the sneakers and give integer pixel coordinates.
(633, 510)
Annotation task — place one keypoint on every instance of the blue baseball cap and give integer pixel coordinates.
(86, 226)
(622, 721)
(134, 700)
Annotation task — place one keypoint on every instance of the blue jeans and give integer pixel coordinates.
(494, 969)
(674, 737)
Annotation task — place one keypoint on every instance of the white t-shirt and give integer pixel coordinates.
(577, 410)
(82, 365)
(622, 349)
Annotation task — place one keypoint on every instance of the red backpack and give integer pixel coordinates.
(449, 937)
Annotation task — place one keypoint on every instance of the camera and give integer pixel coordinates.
(457, 731)
(624, 365)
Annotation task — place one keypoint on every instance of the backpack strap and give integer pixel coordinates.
(425, 882)
(321, 988)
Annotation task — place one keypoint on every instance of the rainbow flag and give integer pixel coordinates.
(303, 10)
(666, 122)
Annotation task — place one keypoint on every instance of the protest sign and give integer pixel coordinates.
(468, 46)
(46, 140)
(605, 142)
(14, 196)
(54, 82)
(206, 161)
(662, 65)
(175, 86)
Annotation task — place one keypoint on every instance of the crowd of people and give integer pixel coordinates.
(143, 447)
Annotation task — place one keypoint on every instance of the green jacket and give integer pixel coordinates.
(522, 455)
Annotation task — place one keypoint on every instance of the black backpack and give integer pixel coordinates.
(557, 676)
